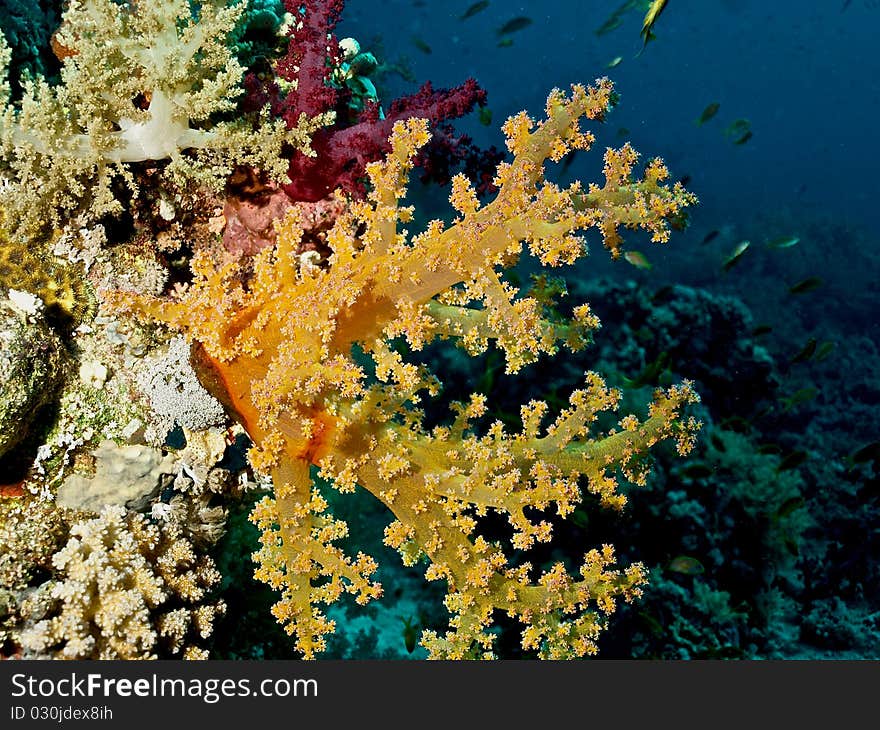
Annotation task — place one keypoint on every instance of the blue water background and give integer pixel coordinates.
(805, 75)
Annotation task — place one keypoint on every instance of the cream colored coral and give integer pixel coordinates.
(128, 590)
(123, 475)
(140, 81)
(30, 532)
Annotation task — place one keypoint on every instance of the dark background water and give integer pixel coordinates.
(805, 74)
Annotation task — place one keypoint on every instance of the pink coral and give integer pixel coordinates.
(343, 151)
(252, 207)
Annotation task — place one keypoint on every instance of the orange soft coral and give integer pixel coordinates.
(279, 350)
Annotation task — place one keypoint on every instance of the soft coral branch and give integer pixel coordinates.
(342, 153)
(312, 52)
(285, 353)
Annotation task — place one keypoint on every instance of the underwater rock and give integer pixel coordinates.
(124, 475)
(706, 337)
(31, 365)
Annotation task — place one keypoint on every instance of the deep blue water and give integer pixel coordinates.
(804, 75)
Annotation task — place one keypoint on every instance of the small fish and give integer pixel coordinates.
(651, 373)
(679, 221)
(698, 470)
(736, 255)
(615, 20)
(684, 179)
(710, 236)
(869, 452)
(824, 350)
(761, 329)
(783, 242)
(806, 352)
(485, 116)
(505, 42)
(580, 518)
(792, 461)
(421, 45)
(769, 449)
(486, 381)
(806, 285)
(718, 442)
(657, 628)
(638, 259)
(739, 132)
(623, 131)
(788, 506)
(513, 25)
(474, 9)
(800, 396)
(737, 423)
(569, 158)
(410, 633)
(651, 18)
(686, 565)
(846, 4)
(614, 62)
(710, 111)
(737, 128)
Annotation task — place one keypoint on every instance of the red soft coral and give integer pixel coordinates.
(343, 150)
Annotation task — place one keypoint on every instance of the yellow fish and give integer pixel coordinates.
(637, 259)
(734, 257)
(686, 565)
(647, 34)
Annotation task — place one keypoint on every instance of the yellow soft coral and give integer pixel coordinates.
(278, 350)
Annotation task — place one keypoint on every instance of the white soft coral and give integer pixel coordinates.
(142, 81)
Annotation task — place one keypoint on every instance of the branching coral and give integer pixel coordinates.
(128, 590)
(31, 530)
(281, 351)
(140, 81)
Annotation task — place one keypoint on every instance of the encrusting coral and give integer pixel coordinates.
(176, 397)
(26, 383)
(280, 347)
